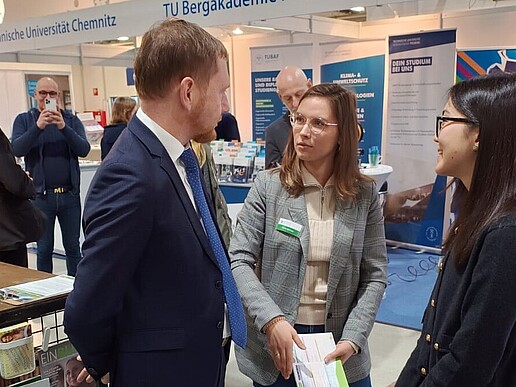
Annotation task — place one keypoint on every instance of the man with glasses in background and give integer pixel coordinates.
(291, 84)
(51, 139)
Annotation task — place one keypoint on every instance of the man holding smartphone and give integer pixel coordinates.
(51, 140)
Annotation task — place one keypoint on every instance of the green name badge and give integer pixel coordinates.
(289, 227)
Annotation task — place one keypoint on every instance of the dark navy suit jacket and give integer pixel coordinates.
(147, 303)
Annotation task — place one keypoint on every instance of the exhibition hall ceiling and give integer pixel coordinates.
(344, 15)
(18, 10)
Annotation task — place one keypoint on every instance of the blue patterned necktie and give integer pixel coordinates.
(235, 309)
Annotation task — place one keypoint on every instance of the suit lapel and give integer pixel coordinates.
(343, 229)
(157, 149)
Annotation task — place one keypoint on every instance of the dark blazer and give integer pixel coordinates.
(148, 303)
(111, 134)
(276, 139)
(469, 327)
(227, 128)
(15, 185)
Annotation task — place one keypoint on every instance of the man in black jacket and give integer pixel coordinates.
(15, 186)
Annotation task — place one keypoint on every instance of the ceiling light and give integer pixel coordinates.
(357, 9)
(123, 38)
(237, 31)
(261, 27)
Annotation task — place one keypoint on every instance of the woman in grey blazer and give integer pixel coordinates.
(308, 253)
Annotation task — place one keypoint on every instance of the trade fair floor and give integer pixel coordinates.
(390, 347)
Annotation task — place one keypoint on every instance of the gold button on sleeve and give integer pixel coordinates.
(428, 338)
(436, 346)
(432, 303)
(423, 371)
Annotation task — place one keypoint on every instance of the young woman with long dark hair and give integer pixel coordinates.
(469, 327)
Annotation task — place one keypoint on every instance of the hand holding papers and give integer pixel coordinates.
(309, 367)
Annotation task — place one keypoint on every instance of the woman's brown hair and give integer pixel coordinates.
(122, 110)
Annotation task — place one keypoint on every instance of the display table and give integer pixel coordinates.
(235, 192)
(380, 173)
(13, 314)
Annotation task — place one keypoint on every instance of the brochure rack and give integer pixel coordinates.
(43, 314)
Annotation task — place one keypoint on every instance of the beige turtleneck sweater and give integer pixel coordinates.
(320, 205)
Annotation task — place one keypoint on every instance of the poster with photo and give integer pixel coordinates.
(60, 365)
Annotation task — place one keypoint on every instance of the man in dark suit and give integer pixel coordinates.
(148, 300)
(291, 84)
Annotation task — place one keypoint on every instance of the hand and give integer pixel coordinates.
(45, 118)
(344, 351)
(279, 341)
(393, 384)
(58, 119)
(84, 375)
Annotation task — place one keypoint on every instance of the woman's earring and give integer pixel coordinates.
(475, 147)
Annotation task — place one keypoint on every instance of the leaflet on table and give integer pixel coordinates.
(241, 169)
(309, 367)
(235, 162)
(36, 290)
(259, 165)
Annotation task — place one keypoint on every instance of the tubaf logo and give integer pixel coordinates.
(269, 57)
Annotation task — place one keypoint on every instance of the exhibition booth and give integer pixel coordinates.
(399, 57)
(399, 66)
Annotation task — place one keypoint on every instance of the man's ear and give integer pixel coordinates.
(279, 95)
(186, 91)
(309, 83)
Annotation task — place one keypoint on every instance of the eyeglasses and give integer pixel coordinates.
(315, 124)
(440, 120)
(43, 93)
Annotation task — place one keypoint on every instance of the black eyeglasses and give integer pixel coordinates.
(43, 93)
(315, 124)
(440, 120)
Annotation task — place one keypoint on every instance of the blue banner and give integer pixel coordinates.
(418, 41)
(365, 76)
(31, 87)
(129, 76)
(267, 105)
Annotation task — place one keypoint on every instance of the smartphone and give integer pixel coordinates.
(51, 104)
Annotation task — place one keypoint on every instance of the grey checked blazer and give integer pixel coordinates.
(357, 273)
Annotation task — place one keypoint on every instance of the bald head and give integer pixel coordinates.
(291, 84)
(45, 88)
(47, 81)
